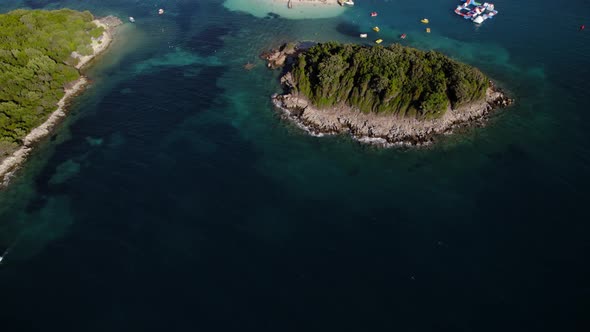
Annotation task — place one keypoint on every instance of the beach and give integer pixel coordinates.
(290, 9)
(12, 163)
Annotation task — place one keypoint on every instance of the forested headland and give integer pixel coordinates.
(36, 64)
(396, 79)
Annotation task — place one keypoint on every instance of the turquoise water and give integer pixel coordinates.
(175, 198)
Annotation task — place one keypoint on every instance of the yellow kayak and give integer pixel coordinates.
(428, 30)
(376, 29)
(379, 41)
(424, 20)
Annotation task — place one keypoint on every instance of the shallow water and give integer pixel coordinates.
(175, 198)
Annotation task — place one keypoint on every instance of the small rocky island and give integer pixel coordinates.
(41, 54)
(381, 95)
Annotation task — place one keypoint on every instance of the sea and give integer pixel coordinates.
(174, 197)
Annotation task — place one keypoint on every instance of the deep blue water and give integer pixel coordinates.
(174, 198)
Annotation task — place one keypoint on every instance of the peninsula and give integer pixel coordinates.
(41, 53)
(383, 95)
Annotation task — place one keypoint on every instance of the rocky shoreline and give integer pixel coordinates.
(11, 164)
(372, 128)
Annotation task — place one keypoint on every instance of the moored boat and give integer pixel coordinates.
(376, 29)
(476, 12)
(131, 19)
(425, 21)
(346, 2)
(379, 41)
(363, 35)
(403, 36)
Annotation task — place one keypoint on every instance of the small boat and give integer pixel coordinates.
(373, 14)
(131, 19)
(479, 19)
(379, 41)
(403, 36)
(160, 11)
(1, 258)
(376, 29)
(347, 2)
(363, 35)
(425, 21)
(427, 30)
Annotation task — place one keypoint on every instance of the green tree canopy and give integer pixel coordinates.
(396, 79)
(36, 64)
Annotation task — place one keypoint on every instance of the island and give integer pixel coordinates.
(382, 95)
(41, 54)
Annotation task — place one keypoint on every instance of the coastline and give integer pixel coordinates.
(371, 128)
(289, 9)
(382, 129)
(12, 163)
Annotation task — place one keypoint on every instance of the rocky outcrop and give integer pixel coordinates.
(277, 58)
(381, 128)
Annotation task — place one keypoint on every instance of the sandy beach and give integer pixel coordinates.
(290, 9)
(12, 163)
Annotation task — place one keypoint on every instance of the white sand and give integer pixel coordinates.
(302, 9)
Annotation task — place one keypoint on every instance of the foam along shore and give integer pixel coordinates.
(290, 9)
(383, 129)
(12, 163)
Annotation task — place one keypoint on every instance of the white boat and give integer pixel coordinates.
(346, 2)
(363, 35)
(160, 11)
(131, 19)
(478, 20)
(1, 258)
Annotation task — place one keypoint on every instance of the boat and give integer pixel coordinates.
(160, 11)
(131, 19)
(425, 21)
(363, 35)
(476, 12)
(427, 30)
(379, 41)
(373, 14)
(403, 36)
(376, 29)
(346, 2)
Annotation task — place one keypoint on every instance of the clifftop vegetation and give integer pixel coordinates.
(396, 79)
(36, 64)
